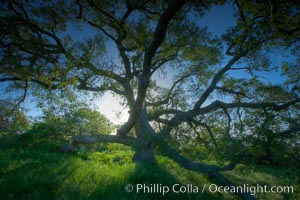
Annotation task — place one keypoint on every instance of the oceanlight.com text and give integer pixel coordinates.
(251, 189)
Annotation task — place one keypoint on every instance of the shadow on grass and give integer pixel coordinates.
(34, 170)
(147, 181)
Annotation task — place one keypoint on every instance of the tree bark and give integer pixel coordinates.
(144, 153)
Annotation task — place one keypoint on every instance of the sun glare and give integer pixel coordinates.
(112, 109)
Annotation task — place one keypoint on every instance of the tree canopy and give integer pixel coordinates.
(216, 96)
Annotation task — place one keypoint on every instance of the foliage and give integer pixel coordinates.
(83, 121)
(12, 119)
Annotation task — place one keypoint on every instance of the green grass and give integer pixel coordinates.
(34, 169)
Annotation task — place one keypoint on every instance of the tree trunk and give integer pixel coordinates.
(144, 153)
(269, 155)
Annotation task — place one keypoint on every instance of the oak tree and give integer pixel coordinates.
(215, 79)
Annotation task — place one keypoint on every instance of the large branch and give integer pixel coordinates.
(159, 35)
(211, 170)
(126, 140)
(125, 128)
(216, 79)
(161, 29)
(189, 115)
(219, 104)
(84, 86)
(99, 71)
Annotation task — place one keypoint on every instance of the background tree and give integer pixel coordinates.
(12, 118)
(56, 130)
(153, 37)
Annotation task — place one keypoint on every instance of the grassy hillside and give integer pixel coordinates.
(34, 169)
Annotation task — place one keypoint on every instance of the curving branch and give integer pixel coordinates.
(126, 140)
(160, 62)
(211, 170)
(216, 79)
